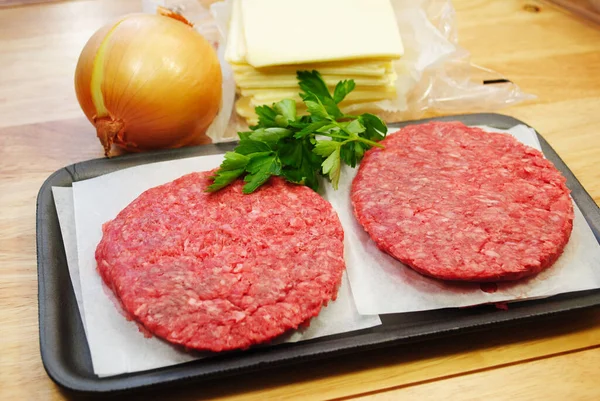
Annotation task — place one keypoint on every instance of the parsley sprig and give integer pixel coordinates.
(299, 148)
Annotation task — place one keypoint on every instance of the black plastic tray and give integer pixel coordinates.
(64, 348)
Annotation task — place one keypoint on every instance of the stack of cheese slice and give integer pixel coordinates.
(269, 40)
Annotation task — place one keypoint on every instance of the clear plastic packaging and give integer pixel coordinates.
(446, 82)
(435, 75)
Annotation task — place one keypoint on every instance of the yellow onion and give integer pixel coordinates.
(149, 82)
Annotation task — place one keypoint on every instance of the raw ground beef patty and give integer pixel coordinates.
(224, 270)
(459, 203)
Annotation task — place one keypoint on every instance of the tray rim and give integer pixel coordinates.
(177, 373)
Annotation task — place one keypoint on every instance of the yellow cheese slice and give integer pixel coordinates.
(372, 68)
(357, 97)
(235, 51)
(278, 32)
(268, 97)
(244, 108)
(290, 81)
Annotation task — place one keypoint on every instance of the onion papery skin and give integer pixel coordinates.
(159, 86)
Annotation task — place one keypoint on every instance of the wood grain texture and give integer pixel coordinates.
(348, 376)
(549, 53)
(15, 3)
(589, 9)
(550, 379)
(39, 48)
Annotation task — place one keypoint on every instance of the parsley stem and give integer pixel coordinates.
(365, 141)
(350, 134)
(333, 135)
(351, 138)
(358, 137)
(369, 142)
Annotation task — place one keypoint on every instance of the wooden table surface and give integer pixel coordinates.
(547, 52)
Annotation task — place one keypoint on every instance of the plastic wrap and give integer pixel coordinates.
(435, 75)
(452, 84)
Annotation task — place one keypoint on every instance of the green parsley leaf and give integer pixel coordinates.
(375, 127)
(332, 166)
(248, 146)
(234, 161)
(270, 136)
(342, 89)
(281, 121)
(290, 154)
(224, 178)
(331, 108)
(231, 168)
(253, 181)
(355, 127)
(351, 154)
(316, 110)
(359, 150)
(310, 128)
(258, 163)
(260, 170)
(315, 90)
(266, 116)
(348, 155)
(286, 108)
(326, 147)
(311, 82)
(328, 127)
(307, 171)
(244, 135)
(291, 146)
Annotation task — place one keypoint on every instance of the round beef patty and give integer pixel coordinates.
(459, 203)
(220, 271)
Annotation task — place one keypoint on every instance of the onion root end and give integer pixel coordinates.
(107, 130)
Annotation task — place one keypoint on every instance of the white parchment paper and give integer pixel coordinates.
(63, 200)
(381, 284)
(116, 344)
